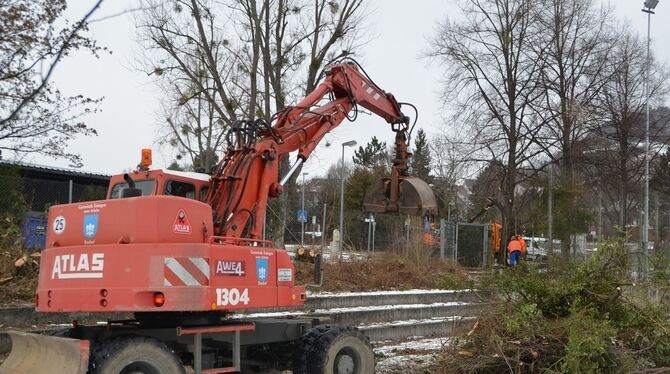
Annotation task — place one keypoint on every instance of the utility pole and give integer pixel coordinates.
(600, 215)
(657, 224)
(351, 143)
(302, 207)
(550, 215)
(649, 6)
(323, 229)
(374, 227)
(371, 233)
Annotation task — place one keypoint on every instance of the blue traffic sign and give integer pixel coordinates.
(302, 216)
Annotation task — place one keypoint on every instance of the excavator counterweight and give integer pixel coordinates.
(41, 354)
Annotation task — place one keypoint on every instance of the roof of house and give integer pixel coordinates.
(66, 172)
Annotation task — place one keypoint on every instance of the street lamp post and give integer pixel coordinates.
(351, 143)
(649, 6)
(302, 208)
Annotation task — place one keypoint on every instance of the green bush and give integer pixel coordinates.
(590, 344)
(588, 316)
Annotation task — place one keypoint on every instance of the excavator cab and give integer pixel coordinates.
(145, 182)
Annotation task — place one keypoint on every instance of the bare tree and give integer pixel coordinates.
(35, 117)
(245, 58)
(451, 165)
(186, 50)
(616, 155)
(335, 24)
(575, 41)
(575, 45)
(493, 76)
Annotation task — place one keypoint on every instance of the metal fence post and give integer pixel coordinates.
(485, 246)
(69, 194)
(443, 237)
(369, 230)
(456, 243)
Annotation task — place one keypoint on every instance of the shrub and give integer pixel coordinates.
(586, 316)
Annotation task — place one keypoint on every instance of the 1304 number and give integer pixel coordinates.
(231, 296)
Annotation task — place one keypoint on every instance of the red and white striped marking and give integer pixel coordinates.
(186, 271)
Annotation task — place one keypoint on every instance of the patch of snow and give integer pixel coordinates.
(293, 313)
(387, 307)
(402, 364)
(430, 344)
(415, 322)
(390, 292)
(290, 313)
(392, 359)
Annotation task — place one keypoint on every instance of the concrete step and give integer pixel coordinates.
(367, 315)
(389, 315)
(24, 316)
(399, 330)
(356, 299)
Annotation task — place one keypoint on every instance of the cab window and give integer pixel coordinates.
(147, 187)
(203, 194)
(183, 189)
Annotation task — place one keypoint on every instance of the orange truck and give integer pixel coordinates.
(183, 251)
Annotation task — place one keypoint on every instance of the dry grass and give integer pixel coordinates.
(385, 271)
(17, 283)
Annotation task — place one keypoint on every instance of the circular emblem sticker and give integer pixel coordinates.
(59, 225)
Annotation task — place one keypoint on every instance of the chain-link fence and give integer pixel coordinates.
(32, 197)
(465, 243)
(362, 232)
(39, 194)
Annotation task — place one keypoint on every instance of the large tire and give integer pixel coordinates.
(134, 355)
(304, 348)
(341, 350)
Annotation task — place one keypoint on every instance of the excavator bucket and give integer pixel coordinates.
(42, 354)
(415, 197)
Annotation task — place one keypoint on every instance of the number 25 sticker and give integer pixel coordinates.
(59, 225)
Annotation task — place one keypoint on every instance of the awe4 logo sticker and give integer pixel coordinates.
(181, 223)
(262, 269)
(230, 268)
(90, 225)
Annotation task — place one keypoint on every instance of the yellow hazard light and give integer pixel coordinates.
(145, 162)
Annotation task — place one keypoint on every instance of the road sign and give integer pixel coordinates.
(302, 216)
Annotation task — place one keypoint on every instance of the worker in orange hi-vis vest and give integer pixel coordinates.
(524, 247)
(515, 247)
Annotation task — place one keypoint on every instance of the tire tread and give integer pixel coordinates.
(103, 350)
(321, 343)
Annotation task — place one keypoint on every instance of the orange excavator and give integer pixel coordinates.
(184, 251)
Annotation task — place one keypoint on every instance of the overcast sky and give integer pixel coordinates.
(128, 120)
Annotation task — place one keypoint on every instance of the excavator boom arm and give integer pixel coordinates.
(248, 175)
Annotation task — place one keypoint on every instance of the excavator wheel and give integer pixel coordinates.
(338, 350)
(304, 348)
(134, 355)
